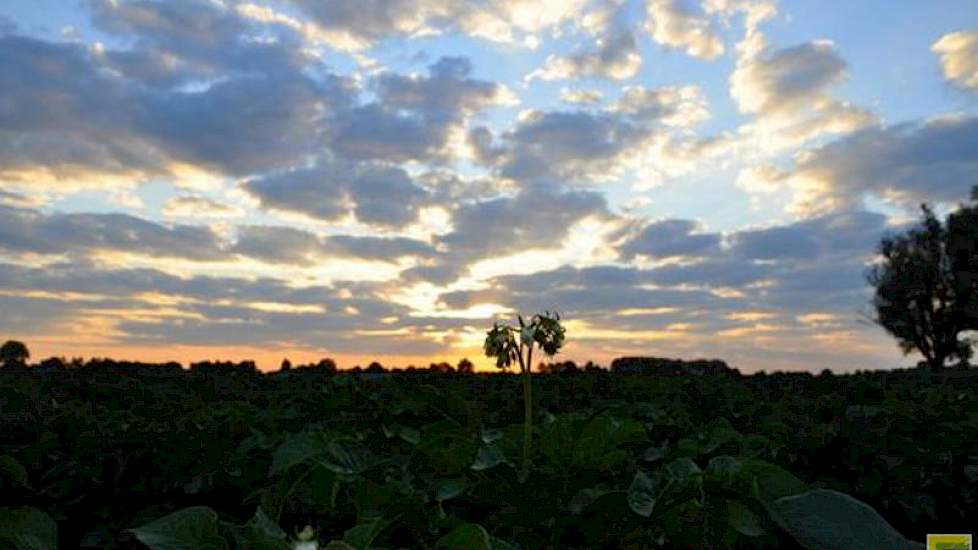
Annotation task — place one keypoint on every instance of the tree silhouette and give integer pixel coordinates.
(14, 353)
(465, 367)
(927, 288)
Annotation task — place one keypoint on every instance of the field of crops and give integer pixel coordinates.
(115, 457)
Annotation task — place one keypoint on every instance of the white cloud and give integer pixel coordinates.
(959, 58)
(676, 24)
(578, 96)
(788, 91)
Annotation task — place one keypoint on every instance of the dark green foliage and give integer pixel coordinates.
(106, 457)
(26, 528)
(927, 285)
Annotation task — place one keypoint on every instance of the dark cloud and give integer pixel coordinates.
(25, 230)
(64, 113)
(211, 310)
(583, 293)
(176, 42)
(575, 144)
(414, 115)
(668, 238)
(847, 233)
(720, 273)
(377, 194)
(539, 216)
(278, 244)
(908, 163)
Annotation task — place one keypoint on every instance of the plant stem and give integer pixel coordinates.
(528, 412)
(528, 409)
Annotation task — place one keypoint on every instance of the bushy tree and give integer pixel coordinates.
(465, 367)
(14, 354)
(927, 285)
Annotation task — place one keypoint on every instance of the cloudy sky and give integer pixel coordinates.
(383, 178)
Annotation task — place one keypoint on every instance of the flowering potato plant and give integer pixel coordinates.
(544, 331)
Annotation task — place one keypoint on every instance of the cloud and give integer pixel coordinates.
(30, 231)
(722, 272)
(581, 145)
(192, 206)
(580, 97)
(376, 194)
(614, 56)
(766, 284)
(355, 27)
(679, 106)
(905, 164)
(959, 58)
(642, 129)
(789, 89)
(670, 238)
(676, 24)
(854, 234)
(69, 124)
(414, 116)
(201, 310)
(279, 244)
(180, 42)
(537, 217)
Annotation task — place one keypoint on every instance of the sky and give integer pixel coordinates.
(384, 179)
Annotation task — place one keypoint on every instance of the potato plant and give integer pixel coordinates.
(544, 331)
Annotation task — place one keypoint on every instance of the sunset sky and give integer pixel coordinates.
(380, 179)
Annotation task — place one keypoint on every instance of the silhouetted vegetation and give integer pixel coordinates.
(465, 367)
(544, 331)
(671, 367)
(619, 461)
(927, 285)
(13, 354)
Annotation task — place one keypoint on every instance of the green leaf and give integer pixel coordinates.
(653, 454)
(584, 498)
(684, 472)
(446, 489)
(771, 482)
(825, 519)
(343, 457)
(489, 457)
(605, 432)
(467, 536)
(261, 533)
(643, 493)
(190, 528)
(321, 485)
(12, 470)
(500, 544)
(296, 449)
(26, 528)
(361, 536)
(338, 545)
(743, 520)
(491, 435)
(723, 468)
(407, 433)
